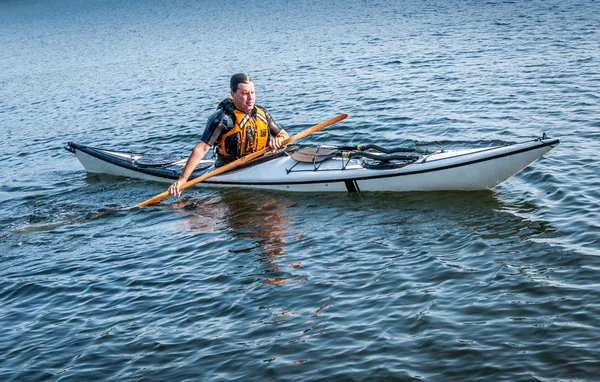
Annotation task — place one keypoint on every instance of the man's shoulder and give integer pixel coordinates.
(227, 106)
(218, 120)
(218, 115)
(224, 111)
(264, 109)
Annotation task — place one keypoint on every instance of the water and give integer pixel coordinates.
(243, 285)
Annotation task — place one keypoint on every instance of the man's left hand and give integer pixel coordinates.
(275, 143)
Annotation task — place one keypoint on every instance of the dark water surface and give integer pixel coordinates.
(244, 285)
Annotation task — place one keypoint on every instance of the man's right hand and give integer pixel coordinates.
(195, 157)
(175, 188)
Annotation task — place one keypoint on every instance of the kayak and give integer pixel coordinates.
(337, 169)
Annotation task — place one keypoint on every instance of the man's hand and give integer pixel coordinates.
(175, 188)
(275, 143)
(195, 157)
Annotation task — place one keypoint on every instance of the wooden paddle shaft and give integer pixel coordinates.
(245, 159)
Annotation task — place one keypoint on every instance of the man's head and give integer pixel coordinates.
(242, 92)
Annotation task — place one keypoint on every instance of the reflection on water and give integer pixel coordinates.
(258, 223)
(257, 216)
(264, 217)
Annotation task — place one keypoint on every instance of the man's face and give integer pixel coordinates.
(244, 97)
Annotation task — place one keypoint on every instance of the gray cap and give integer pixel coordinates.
(237, 79)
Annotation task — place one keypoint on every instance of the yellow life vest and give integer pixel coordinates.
(253, 130)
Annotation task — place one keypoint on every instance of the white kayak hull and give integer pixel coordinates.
(460, 170)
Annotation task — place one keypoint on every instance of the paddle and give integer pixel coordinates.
(245, 159)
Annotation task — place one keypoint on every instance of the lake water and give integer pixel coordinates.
(245, 285)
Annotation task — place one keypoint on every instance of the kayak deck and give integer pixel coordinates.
(335, 169)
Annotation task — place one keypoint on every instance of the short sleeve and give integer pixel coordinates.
(215, 126)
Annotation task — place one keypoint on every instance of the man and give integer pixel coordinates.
(238, 128)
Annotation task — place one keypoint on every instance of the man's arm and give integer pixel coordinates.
(196, 156)
(278, 135)
(214, 127)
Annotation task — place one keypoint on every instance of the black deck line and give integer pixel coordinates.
(121, 163)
